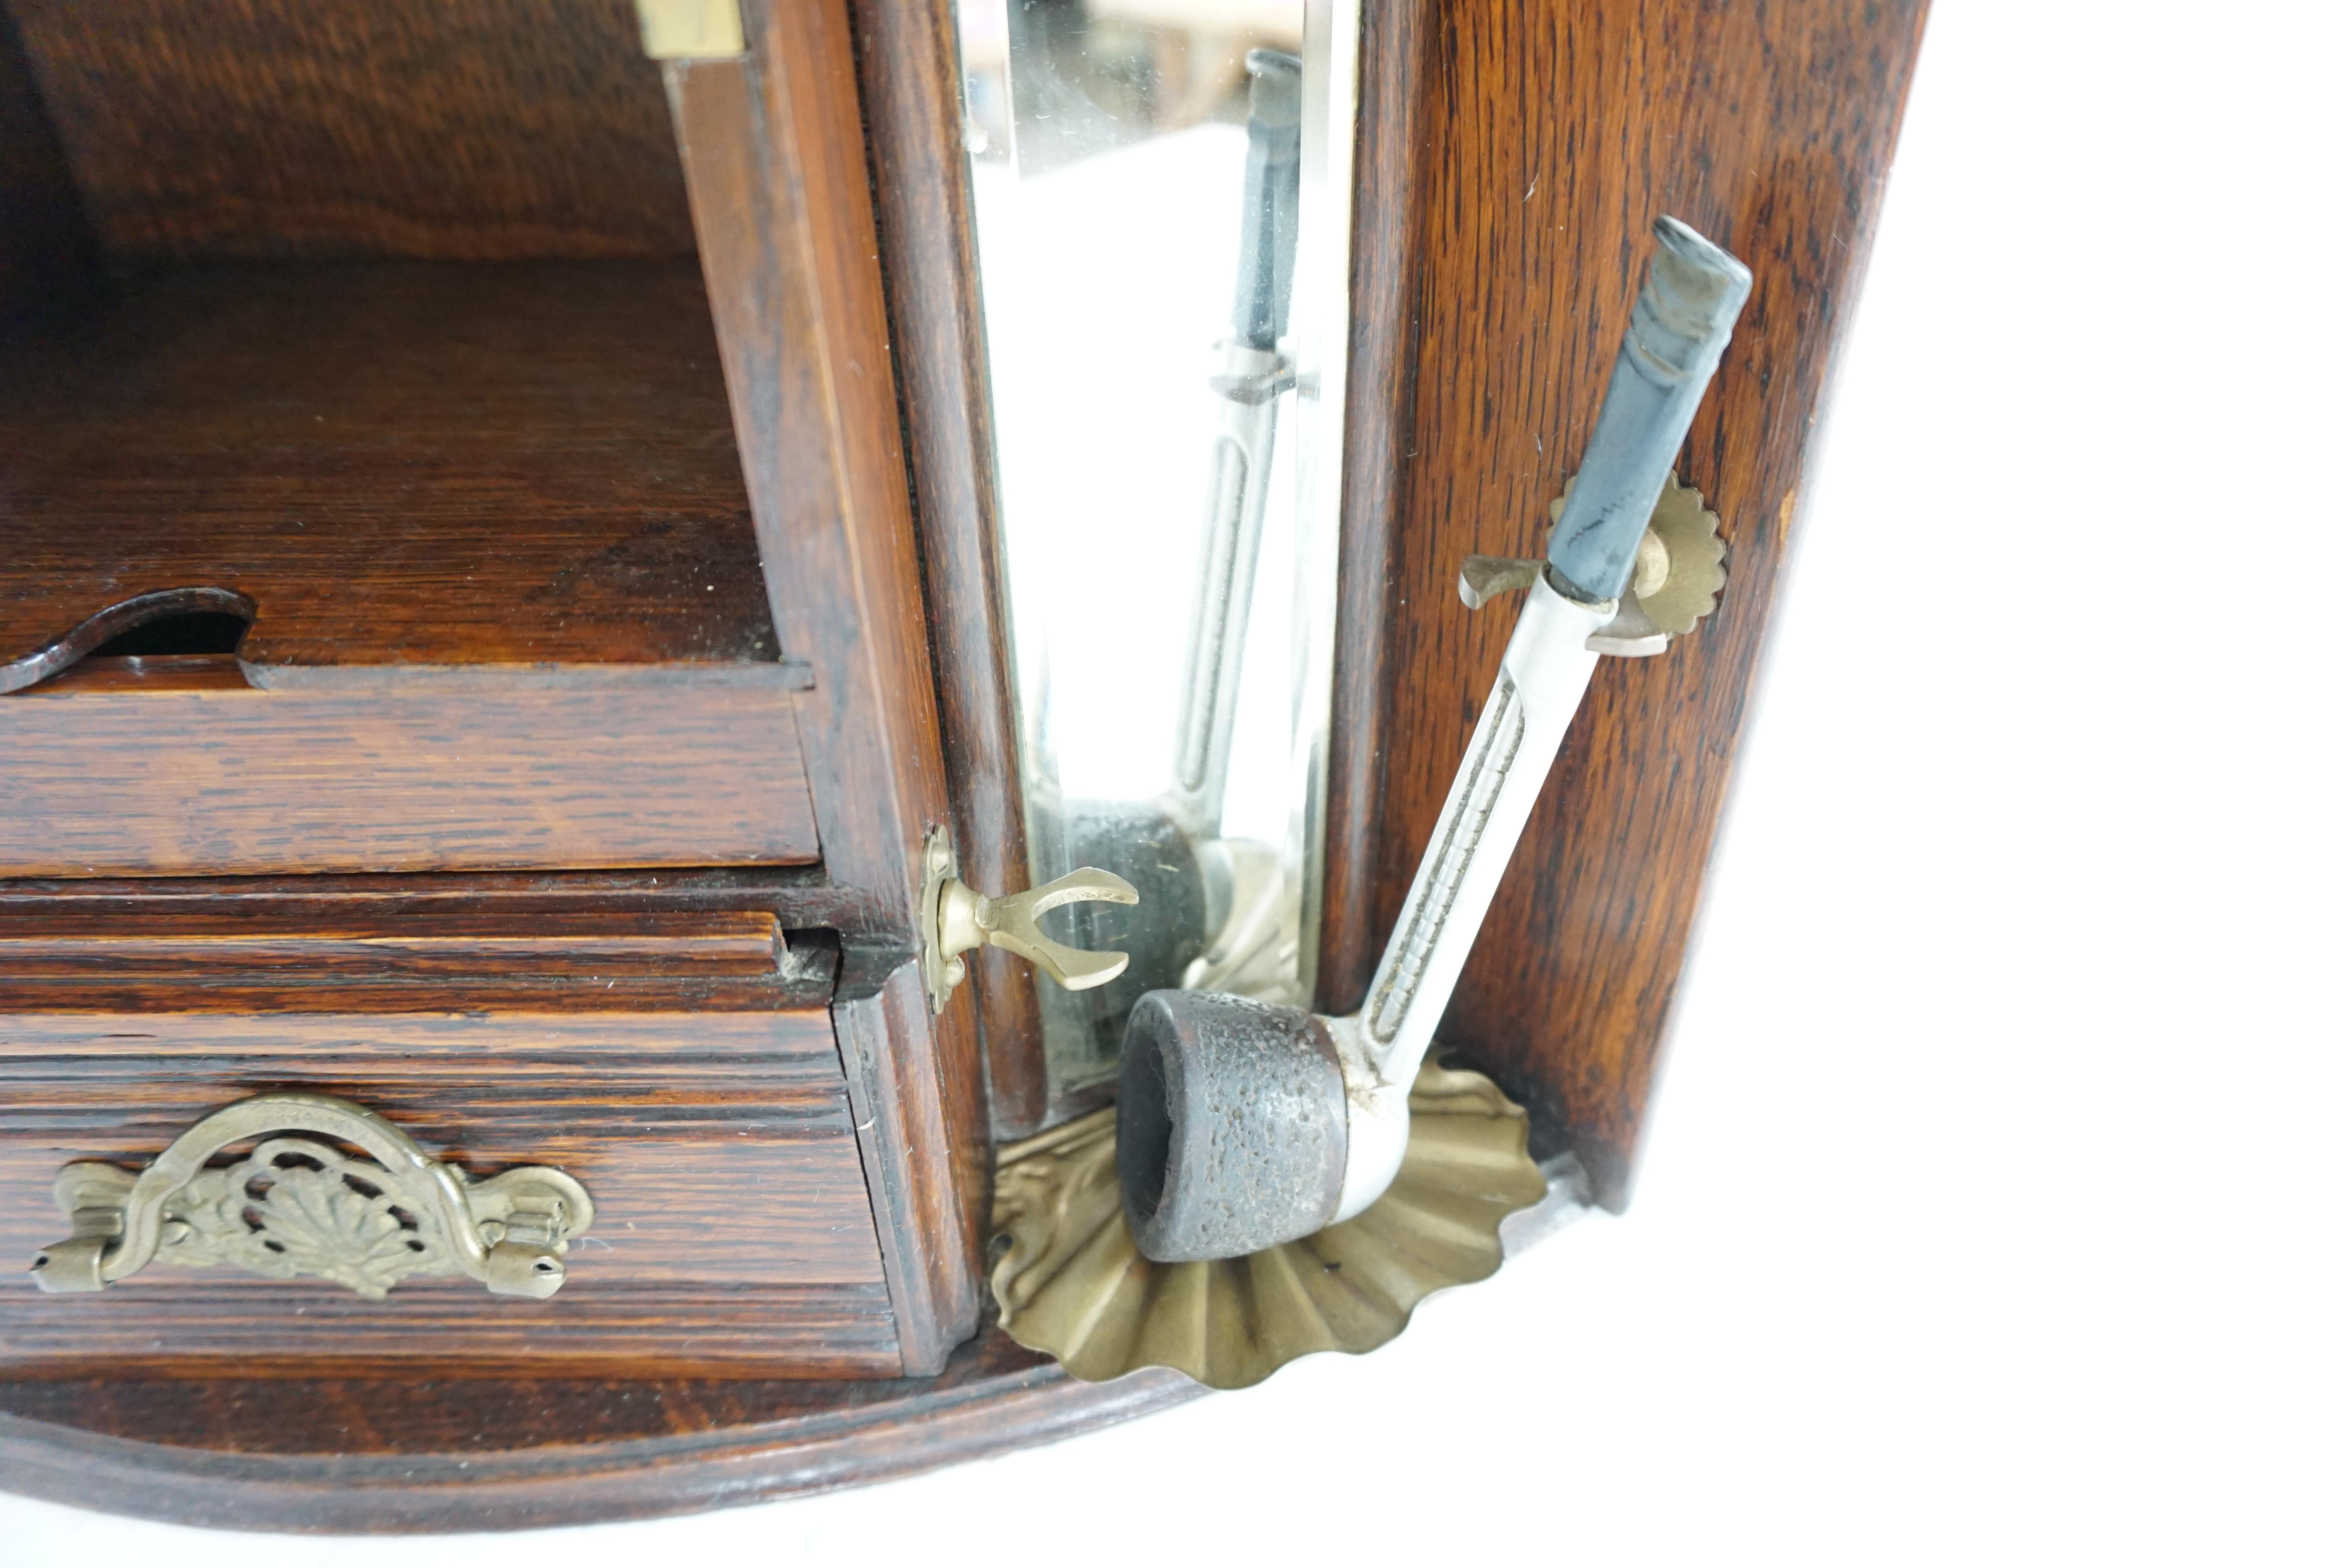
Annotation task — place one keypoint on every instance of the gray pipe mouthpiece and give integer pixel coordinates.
(1232, 1125)
(1269, 201)
(1680, 323)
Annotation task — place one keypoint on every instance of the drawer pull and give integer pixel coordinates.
(296, 1206)
(143, 609)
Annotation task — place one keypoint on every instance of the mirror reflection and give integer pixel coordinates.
(1138, 168)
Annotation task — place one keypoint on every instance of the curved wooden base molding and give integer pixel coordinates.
(422, 1456)
(465, 1455)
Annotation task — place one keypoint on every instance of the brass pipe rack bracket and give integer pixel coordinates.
(1072, 1283)
(955, 919)
(302, 1205)
(1678, 576)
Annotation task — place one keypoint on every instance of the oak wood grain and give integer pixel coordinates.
(1383, 294)
(396, 462)
(188, 1324)
(489, 131)
(416, 770)
(911, 70)
(437, 1455)
(48, 258)
(747, 943)
(719, 1147)
(776, 167)
(900, 1107)
(815, 913)
(1547, 135)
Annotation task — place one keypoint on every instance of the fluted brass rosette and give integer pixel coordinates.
(1073, 1285)
(1685, 592)
(1678, 573)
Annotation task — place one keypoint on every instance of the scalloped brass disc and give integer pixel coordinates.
(1073, 1285)
(1694, 549)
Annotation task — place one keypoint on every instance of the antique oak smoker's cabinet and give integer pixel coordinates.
(552, 550)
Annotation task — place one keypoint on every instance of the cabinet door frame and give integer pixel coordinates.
(774, 147)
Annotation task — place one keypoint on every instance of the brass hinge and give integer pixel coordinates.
(690, 29)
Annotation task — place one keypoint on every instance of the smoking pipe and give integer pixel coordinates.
(1212, 911)
(1243, 1124)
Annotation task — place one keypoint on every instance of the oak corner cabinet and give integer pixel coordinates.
(501, 588)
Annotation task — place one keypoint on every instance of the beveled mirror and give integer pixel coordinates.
(1161, 195)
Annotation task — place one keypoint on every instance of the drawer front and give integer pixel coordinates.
(732, 1228)
(114, 772)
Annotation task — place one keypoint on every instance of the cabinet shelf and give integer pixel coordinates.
(396, 462)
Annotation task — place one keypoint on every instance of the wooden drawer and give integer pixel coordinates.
(732, 1228)
(486, 532)
(177, 768)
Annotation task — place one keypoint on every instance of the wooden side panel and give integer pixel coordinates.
(899, 1106)
(912, 73)
(1547, 135)
(775, 162)
(485, 131)
(419, 771)
(1383, 283)
(719, 1148)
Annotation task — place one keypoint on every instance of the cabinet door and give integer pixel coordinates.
(776, 162)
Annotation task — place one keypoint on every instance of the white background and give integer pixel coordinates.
(1995, 1204)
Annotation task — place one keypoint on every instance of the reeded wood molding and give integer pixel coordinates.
(911, 69)
(1550, 132)
(775, 160)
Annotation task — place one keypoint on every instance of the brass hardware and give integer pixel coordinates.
(690, 29)
(1071, 1282)
(1678, 573)
(956, 918)
(1486, 577)
(1691, 539)
(297, 1206)
(1632, 634)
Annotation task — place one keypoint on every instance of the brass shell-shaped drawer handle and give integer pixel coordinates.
(296, 1205)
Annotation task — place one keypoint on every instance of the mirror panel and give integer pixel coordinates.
(1161, 206)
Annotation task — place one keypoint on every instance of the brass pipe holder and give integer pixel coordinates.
(956, 918)
(1677, 574)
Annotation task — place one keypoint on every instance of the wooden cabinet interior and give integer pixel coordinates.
(388, 321)
(586, 666)
(397, 462)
